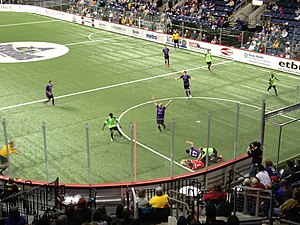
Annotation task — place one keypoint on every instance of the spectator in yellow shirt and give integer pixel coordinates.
(160, 200)
(3, 155)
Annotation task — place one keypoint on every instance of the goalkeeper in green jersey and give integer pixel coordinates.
(208, 58)
(112, 123)
(272, 83)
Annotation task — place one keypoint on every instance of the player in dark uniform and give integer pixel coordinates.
(160, 113)
(166, 51)
(192, 151)
(186, 83)
(49, 93)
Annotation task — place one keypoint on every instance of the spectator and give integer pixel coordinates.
(233, 220)
(141, 199)
(10, 189)
(215, 40)
(255, 152)
(14, 217)
(97, 218)
(204, 38)
(211, 214)
(289, 169)
(160, 200)
(270, 168)
(83, 211)
(103, 214)
(194, 35)
(62, 220)
(297, 165)
(284, 33)
(182, 221)
(275, 7)
(217, 194)
(73, 218)
(230, 3)
(264, 177)
(289, 204)
(280, 10)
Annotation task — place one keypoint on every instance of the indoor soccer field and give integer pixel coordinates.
(105, 72)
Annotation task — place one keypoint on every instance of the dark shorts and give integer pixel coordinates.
(208, 63)
(166, 56)
(3, 159)
(113, 128)
(160, 121)
(176, 41)
(186, 86)
(49, 96)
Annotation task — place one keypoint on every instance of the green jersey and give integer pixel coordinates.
(111, 122)
(208, 57)
(210, 150)
(272, 81)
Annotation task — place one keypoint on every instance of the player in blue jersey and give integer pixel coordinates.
(49, 93)
(166, 51)
(160, 113)
(192, 151)
(186, 83)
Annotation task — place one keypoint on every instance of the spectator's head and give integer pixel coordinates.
(70, 210)
(142, 193)
(96, 216)
(268, 163)
(10, 181)
(290, 163)
(233, 220)
(62, 220)
(158, 191)
(296, 194)
(261, 168)
(81, 203)
(210, 212)
(182, 221)
(217, 187)
(246, 182)
(102, 211)
(14, 212)
(120, 211)
(253, 181)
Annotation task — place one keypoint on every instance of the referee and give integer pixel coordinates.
(176, 37)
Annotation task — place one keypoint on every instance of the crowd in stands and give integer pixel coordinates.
(280, 35)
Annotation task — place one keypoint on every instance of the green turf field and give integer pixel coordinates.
(105, 72)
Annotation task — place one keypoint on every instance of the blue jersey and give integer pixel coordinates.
(194, 152)
(166, 52)
(185, 78)
(160, 112)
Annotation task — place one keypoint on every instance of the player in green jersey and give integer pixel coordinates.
(112, 123)
(208, 58)
(272, 83)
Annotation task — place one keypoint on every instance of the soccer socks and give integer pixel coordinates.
(111, 136)
(187, 93)
(159, 128)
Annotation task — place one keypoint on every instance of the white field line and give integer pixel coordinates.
(93, 41)
(110, 86)
(28, 23)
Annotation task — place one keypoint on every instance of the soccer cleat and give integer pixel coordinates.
(111, 139)
(191, 96)
(186, 97)
(122, 137)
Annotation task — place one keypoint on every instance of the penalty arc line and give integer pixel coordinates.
(110, 86)
(165, 99)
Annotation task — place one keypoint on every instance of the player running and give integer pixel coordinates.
(208, 58)
(186, 83)
(272, 83)
(166, 51)
(49, 93)
(112, 123)
(160, 113)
